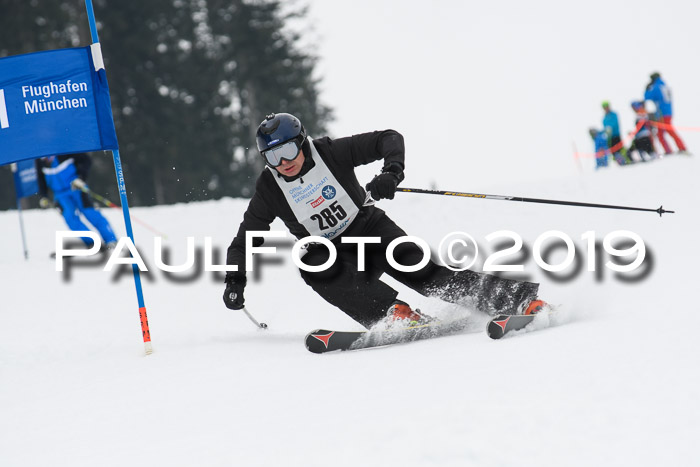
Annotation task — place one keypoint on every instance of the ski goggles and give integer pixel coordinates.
(287, 151)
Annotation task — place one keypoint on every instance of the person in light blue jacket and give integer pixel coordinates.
(611, 127)
(658, 92)
(65, 177)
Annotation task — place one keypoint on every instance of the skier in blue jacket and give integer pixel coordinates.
(65, 176)
(658, 92)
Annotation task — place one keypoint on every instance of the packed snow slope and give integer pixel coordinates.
(615, 383)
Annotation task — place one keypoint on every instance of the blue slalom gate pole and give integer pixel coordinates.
(125, 206)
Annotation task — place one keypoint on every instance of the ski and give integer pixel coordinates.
(324, 340)
(503, 324)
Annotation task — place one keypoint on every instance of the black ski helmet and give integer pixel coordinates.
(277, 129)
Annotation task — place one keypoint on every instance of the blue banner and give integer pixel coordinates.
(54, 102)
(25, 178)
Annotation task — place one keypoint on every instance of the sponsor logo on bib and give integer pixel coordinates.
(317, 202)
(328, 192)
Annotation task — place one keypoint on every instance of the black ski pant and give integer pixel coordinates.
(366, 299)
(644, 146)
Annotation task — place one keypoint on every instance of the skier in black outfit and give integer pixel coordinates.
(312, 187)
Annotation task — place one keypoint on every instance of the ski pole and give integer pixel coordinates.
(110, 204)
(21, 228)
(660, 211)
(260, 325)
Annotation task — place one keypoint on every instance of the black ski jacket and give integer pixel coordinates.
(341, 156)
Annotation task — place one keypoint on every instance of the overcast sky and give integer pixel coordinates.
(490, 92)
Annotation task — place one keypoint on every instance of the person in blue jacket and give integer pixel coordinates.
(600, 140)
(658, 92)
(65, 177)
(611, 126)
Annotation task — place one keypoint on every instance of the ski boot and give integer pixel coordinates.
(534, 307)
(401, 311)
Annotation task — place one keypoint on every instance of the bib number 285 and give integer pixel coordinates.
(329, 217)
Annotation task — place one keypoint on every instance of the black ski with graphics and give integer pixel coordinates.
(503, 324)
(324, 340)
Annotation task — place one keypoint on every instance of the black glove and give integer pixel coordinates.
(233, 295)
(384, 185)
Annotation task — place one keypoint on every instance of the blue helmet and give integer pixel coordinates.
(277, 129)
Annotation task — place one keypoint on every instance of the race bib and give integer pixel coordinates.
(320, 203)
